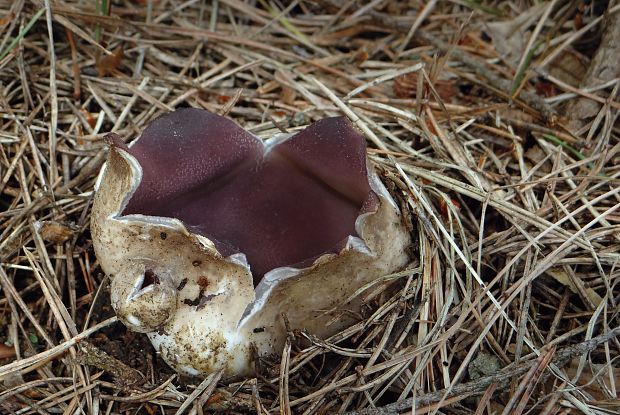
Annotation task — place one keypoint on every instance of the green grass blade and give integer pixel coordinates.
(286, 23)
(21, 34)
(523, 69)
(553, 139)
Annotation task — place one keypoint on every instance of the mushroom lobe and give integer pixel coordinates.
(284, 204)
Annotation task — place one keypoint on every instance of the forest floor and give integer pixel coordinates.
(495, 123)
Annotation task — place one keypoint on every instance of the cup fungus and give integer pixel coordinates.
(210, 235)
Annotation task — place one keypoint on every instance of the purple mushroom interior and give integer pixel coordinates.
(284, 206)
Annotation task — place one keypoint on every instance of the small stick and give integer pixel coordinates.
(501, 378)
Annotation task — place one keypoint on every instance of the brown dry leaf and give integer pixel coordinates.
(446, 210)
(6, 19)
(110, 63)
(6, 351)
(511, 36)
(603, 67)
(569, 67)
(405, 86)
(53, 231)
(92, 121)
(509, 114)
(360, 56)
(223, 99)
(561, 277)
(329, 38)
(545, 89)
(535, 155)
(586, 379)
(288, 94)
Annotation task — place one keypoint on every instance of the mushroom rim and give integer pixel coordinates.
(273, 277)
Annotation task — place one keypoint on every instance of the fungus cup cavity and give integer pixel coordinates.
(210, 234)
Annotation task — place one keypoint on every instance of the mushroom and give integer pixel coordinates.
(211, 235)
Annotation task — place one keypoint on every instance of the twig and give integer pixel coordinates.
(501, 379)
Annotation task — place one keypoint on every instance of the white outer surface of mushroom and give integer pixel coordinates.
(200, 309)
